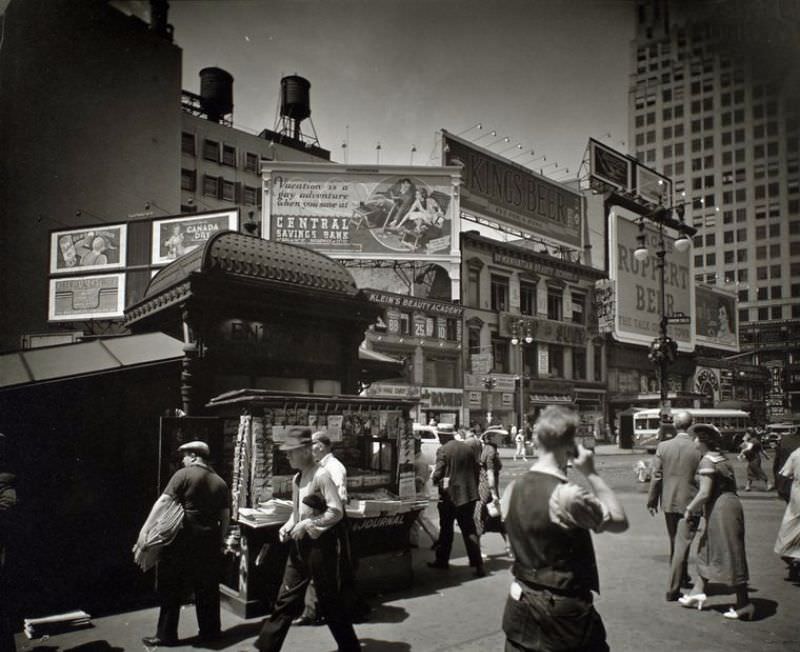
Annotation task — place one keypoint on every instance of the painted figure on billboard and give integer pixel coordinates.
(370, 214)
(174, 237)
(87, 249)
(725, 333)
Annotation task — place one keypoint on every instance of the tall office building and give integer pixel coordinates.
(715, 103)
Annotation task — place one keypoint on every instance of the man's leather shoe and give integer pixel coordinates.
(154, 641)
(441, 565)
(672, 596)
(303, 620)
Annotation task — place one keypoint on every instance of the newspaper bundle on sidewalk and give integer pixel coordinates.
(48, 625)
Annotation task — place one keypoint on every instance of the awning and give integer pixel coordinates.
(84, 358)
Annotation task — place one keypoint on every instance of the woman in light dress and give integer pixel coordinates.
(788, 542)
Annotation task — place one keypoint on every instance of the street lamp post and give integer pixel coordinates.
(663, 349)
(489, 383)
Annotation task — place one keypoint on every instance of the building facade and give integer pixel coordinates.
(529, 340)
(714, 104)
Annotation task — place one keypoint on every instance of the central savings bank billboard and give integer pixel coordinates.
(637, 285)
(383, 212)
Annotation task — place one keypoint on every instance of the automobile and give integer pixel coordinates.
(774, 433)
(432, 437)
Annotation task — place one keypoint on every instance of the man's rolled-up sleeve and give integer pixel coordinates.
(572, 506)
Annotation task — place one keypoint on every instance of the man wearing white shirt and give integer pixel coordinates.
(313, 552)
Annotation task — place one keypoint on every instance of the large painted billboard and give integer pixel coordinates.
(716, 318)
(87, 297)
(92, 248)
(175, 236)
(637, 284)
(344, 211)
(498, 189)
(613, 170)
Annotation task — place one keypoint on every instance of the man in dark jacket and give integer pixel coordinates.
(456, 474)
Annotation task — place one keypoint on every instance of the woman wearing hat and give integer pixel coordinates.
(721, 557)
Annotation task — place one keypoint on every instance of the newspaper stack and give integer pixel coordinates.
(49, 625)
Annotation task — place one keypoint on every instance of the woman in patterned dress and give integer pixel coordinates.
(488, 490)
(721, 556)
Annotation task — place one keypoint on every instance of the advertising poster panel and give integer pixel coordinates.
(364, 212)
(173, 237)
(653, 187)
(716, 323)
(609, 167)
(638, 285)
(91, 248)
(501, 190)
(86, 297)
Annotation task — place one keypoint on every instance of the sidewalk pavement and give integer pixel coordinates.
(507, 452)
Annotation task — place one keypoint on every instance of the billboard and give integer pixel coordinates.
(511, 194)
(716, 323)
(384, 212)
(91, 248)
(175, 236)
(615, 171)
(637, 285)
(86, 297)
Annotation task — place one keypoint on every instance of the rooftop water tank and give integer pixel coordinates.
(295, 103)
(216, 93)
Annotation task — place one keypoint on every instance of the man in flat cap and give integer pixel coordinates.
(313, 551)
(194, 558)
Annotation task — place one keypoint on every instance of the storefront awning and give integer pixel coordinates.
(85, 358)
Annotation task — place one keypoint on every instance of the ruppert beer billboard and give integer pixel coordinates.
(372, 212)
(637, 284)
(500, 190)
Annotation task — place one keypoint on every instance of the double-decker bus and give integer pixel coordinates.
(730, 423)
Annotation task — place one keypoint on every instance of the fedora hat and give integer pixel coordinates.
(199, 447)
(296, 438)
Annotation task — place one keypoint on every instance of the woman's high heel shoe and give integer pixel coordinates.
(743, 613)
(693, 601)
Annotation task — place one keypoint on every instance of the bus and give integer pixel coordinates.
(730, 423)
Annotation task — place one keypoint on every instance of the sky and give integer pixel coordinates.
(546, 74)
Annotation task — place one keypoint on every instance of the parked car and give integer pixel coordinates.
(774, 433)
(432, 437)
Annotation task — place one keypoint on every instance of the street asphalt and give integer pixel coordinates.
(454, 611)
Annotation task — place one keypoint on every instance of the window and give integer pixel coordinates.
(405, 323)
(763, 314)
(761, 252)
(761, 273)
(474, 288)
(774, 271)
(228, 190)
(775, 292)
(211, 150)
(499, 290)
(500, 351)
(761, 232)
(741, 275)
(188, 180)
(250, 195)
(527, 298)
(554, 303)
(761, 294)
(728, 257)
(210, 186)
(579, 363)
(251, 162)
(711, 259)
(187, 143)
(744, 295)
(229, 155)
(555, 360)
(744, 315)
(474, 339)
(776, 312)
(578, 314)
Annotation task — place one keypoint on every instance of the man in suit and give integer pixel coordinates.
(673, 484)
(456, 474)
